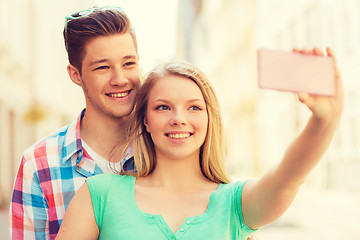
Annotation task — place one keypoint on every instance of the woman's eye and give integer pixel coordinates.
(195, 108)
(162, 107)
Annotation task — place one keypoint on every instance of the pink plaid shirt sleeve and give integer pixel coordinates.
(50, 173)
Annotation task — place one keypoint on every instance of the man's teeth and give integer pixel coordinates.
(179, 135)
(118, 95)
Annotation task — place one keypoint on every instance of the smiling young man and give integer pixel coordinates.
(102, 52)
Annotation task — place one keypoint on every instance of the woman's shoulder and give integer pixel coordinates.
(107, 176)
(99, 177)
(105, 180)
(233, 187)
(103, 184)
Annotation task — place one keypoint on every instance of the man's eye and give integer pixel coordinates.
(127, 64)
(102, 67)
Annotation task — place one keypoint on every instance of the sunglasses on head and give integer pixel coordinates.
(87, 12)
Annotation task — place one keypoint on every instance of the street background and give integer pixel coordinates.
(222, 38)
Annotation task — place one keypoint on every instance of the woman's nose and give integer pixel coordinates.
(177, 119)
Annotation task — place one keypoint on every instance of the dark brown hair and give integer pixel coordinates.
(100, 22)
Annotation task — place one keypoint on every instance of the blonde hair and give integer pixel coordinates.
(212, 151)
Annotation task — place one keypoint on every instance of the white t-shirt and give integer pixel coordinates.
(105, 165)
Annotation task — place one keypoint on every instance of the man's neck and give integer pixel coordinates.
(103, 134)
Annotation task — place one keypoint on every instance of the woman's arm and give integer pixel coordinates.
(79, 220)
(268, 198)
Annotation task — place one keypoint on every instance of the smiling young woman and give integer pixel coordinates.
(179, 188)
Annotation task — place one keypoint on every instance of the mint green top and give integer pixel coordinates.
(118, 216)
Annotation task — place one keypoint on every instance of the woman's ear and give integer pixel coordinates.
(74, 75)
(146, 124)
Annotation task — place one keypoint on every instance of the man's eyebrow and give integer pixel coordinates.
(98, 61)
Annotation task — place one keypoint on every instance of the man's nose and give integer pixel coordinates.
(118, 77)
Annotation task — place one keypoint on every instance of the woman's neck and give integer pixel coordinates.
(176, 174)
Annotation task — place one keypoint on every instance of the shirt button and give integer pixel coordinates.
(181, 229)
(188, 222)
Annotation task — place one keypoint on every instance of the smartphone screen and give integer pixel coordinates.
(295, 72)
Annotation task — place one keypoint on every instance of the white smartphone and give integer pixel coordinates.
(295, 72)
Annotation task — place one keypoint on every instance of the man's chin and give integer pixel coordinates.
(123, 114)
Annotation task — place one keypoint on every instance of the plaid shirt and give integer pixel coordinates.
(50, 173)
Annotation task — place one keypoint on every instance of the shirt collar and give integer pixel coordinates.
(73, 149)
(72, 142)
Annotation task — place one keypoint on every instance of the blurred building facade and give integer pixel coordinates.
(222, 38)
(33, 78)
(320, 23)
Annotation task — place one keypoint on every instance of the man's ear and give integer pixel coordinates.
(74, 74)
